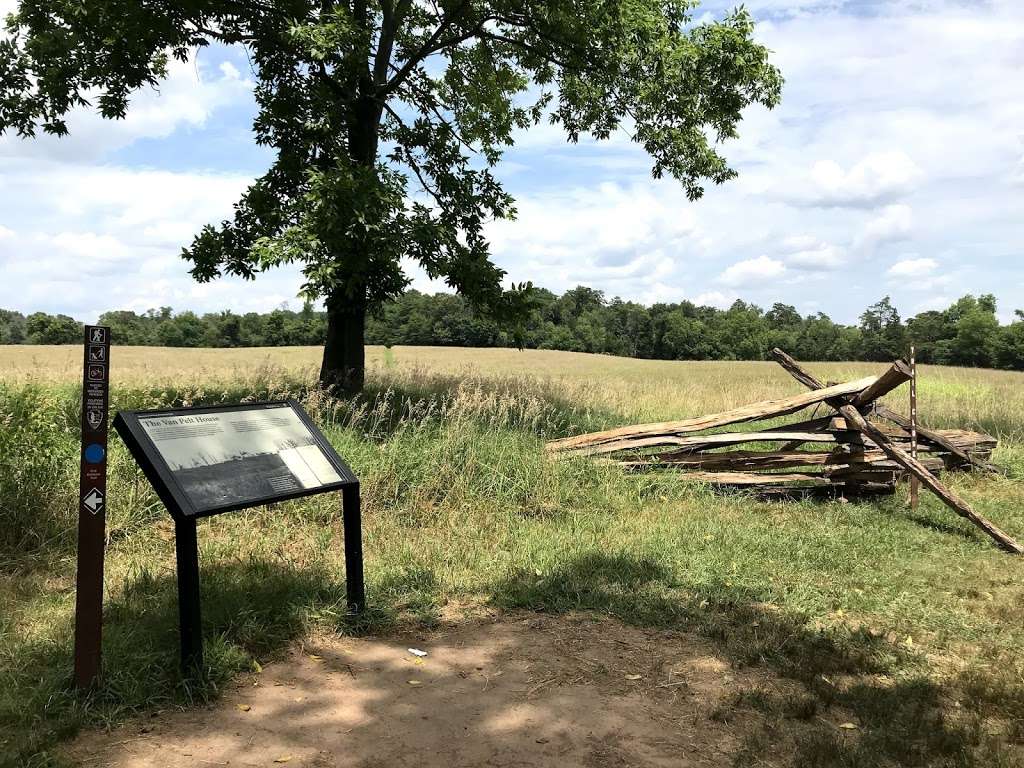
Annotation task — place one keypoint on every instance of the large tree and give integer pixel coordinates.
(387, 117)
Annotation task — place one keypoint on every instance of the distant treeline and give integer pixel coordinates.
(582, 320)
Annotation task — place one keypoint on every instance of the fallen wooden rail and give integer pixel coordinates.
(642, 435)
(857, 421)
(936, 437)
(741, 461)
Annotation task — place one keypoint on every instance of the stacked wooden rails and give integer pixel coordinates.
(860, 447)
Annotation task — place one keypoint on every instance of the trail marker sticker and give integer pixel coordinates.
(94, 416)
(93, 500)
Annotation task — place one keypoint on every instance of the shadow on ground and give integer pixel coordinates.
(902, 716)
(796, 685)
(251, 608)
(525, 690)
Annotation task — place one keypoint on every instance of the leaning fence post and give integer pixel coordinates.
(915, 484)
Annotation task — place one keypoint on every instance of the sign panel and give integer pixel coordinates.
(204, 461)
(92, 495)
(217, 459)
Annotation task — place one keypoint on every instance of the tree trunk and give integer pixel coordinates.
(343, 370)
(344, 365)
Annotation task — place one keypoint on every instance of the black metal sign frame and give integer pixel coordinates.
(185, 513)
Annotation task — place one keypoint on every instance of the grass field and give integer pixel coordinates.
(912, 622)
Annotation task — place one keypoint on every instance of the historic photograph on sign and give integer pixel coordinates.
(223, 458)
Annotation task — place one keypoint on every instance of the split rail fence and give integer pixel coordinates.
(860, 447)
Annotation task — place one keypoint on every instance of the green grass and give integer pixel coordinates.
(912, 624)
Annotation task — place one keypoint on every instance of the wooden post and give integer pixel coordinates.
(915, 484)
(92, 506)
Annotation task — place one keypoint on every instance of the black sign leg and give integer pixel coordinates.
(354, 588)
(188, 595)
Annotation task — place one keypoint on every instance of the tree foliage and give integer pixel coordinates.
(582, 320)
(883, 336)
(41, 328)
(388, 117)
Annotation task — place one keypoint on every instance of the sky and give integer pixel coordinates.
(893, 166)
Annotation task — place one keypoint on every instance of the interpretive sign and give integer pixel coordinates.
(209, 460)
(218, 459)
(92, 505)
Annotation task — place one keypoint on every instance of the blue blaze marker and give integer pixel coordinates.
(94, 453)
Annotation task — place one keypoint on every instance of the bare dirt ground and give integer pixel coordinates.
(521, 691)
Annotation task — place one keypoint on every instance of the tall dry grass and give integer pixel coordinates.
(462, 505)
(623, 388)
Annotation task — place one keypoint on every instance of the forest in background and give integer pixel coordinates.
(967, 333)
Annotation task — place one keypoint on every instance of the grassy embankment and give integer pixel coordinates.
(913, 623)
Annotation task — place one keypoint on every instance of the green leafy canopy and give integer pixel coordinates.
(388, 116)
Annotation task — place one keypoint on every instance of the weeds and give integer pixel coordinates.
(909, 625)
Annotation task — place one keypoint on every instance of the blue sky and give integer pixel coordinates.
(894, 165)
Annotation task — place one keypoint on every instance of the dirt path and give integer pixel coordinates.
(521, 692)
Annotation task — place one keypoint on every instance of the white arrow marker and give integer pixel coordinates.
(93, 500)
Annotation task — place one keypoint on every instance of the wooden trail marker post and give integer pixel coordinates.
(915, 484)
(92, 505)
(209, 460)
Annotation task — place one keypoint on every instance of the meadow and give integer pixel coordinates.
(912, 622)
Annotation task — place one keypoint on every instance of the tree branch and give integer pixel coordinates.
(222, 37)
(525, 25)
(391, 21)
(430, 101)
(550, 59)
(411, 162)
(332, 83)
(433, 44)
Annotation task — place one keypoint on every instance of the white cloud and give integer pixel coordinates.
(120, 245)
(752, 271)
(147, 206)
(5, 232)
(623, 239)
(810, 254)
(611, 221)
(1017, 174)
(934, 303)
(878, 177)
(915, 275)
(894, 222)
(796, 243)
(913, 268)
(229, 71)
(716, 299)
(188, 96)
